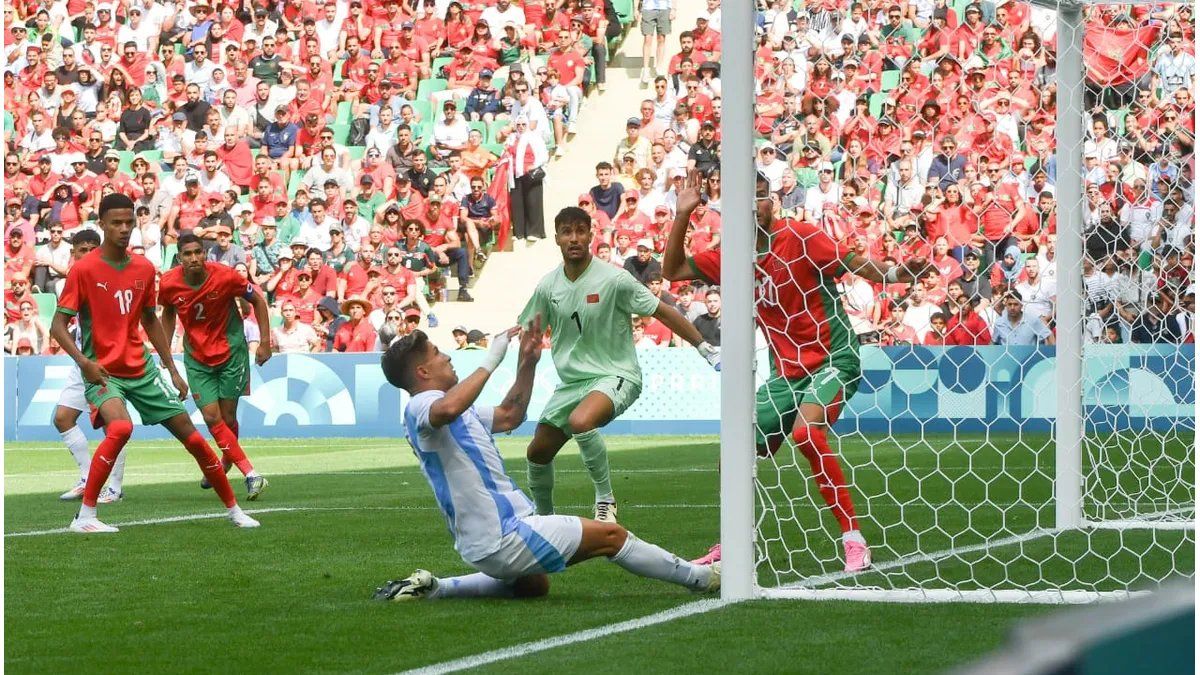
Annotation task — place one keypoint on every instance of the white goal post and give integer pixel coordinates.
(741, 493)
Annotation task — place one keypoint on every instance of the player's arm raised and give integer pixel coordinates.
(462, 395)
(674, 262)
(263, 317)
(154, 331)
(511, 412)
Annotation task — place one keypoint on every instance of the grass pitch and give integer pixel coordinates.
(341, 516)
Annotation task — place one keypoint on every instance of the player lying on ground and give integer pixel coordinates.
(205, 297)
(71, 403)
(493, 523)
(815, 365)
(111, 292)
(587, 307)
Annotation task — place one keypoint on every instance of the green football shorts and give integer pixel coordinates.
(149, 394)
(568, 396)
(777, 402)
(226, 382)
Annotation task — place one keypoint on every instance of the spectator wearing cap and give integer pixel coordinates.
(528, 153)
(643, 266)
(631, 218)
(634, 143)
(112, 175)
(357, 334)
(449, 134)
(16, 294)
(393, 273)
(279, 137)
(705, 153)
(264, 256)
(827, 193)
(226, 252)
(303, 295)
(483, 102)
(19, 254)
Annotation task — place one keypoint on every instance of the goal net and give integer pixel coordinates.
(1023, 428)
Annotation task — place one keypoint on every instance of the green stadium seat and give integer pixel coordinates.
(357, 151)
(46, 304)
(889, 80)
(341, 133)
(876, 104)
(126, 165)
(423, 109)
(438, 63)
(482, 127)
(294, 183)
(344, 111)
(624, 9)
(494, 148)
(168, 255)
(427, 87)
(494, 130)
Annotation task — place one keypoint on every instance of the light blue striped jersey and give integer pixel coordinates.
(462, 464)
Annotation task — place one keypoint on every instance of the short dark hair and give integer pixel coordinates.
(399, 360)
(604, 165)
(188, 238)
(85, 237)
(115, 200)
(572, 215)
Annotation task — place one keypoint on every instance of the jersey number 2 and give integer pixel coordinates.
(199, 308)
(578, 322)
(124, 300)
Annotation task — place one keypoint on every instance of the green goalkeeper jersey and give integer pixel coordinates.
(589, 319)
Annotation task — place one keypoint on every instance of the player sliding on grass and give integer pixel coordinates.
(588, 306)
(814, 352)
(111, 292)
(216, 355)
(71, 403)
(493, 523)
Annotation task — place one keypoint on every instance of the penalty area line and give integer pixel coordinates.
(525, 649)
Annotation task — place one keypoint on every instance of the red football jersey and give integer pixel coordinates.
(108, 298)
(796, 298)
(212, 322)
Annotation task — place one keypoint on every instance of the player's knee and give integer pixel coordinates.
(536, 586)
(119, 430)
(212, 418)
(808, 437)
(614, 538)
(580, 423)
(64, 419)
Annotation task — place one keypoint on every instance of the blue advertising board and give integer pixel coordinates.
(903, 389)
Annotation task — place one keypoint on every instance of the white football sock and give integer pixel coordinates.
(478, 585)
(77, 445)
(853, 535)
(116, 479)
(647, 560)
(87, 511)
(236, 510)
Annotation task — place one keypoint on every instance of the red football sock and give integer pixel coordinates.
(116, 435)
(827, 471)
(231, 450)
(210, 464)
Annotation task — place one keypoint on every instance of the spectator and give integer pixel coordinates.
(460, 337)
(51, 261)
(529, 156)
(966, 328)
(328, 322)
(634, 143)
(709, 323)
(606, 194)
(19, 256)
(28, 329)
(1158, 323)
(644, 266)
(1015, 328)
(293, 336)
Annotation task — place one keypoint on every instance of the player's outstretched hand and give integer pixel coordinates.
(498, 349)
(531, 341)
(689, 197)
(180, 384)
(94, 372)
(917, 267)
(711, 354)
(262, 354)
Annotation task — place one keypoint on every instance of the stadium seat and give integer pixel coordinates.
(427, 87)
(294, 183)
(423, 109)
(495, 148)
(876, 104)
(624, 9)
(482, 127)
(341, 133)
(168, 255)
(494, 128)
(889, 80)
(344, 110)
(438, 63)
(357, 151)
(46, 303)
(126, 165)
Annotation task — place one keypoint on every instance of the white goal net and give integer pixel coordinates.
(1023, 427)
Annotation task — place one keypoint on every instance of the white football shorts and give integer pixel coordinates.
(72, 394)
(538, 545)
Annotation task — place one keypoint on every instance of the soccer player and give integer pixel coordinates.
(493, 523)
(71, 403)
(204, 295)
(588, 308)
(814, 352)
(112, 292)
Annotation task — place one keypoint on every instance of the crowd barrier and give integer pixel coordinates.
(903, 390)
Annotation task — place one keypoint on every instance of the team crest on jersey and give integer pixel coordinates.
(212, 296)
(139, 284)
(593, 298)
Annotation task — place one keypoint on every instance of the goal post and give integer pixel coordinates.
(1061, 473)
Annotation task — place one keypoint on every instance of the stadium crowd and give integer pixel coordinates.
(350, 157)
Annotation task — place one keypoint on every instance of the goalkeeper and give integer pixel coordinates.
(588, 305)
(814, 351)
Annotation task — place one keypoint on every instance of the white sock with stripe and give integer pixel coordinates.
(77, 445)
(478, 585)
(647, 560)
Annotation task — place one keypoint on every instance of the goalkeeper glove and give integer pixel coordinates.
(496, 352)
(711, 354)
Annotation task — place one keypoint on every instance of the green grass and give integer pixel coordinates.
(292, 596)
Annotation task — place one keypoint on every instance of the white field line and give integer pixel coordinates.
(525, 649)
(288, 509)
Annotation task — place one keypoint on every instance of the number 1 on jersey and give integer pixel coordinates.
(578, 322)
(124, 300)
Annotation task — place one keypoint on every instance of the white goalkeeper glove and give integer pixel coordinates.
(496, 352)
(711, 354)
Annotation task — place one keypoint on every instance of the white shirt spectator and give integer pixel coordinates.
(298, 340)
(199, 75)
(316, 235)
(536, 112)
(382, 138)
(773, 169)
(1140, 218)
(816, 199)
(1038, 296)
(217, 182)
(917, 318)
(454, 134)
(496, 19)
(314, 180)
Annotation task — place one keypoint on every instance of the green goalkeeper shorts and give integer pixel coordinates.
(149, 395)
(777, 402)
(226, 382)
(568, 396)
